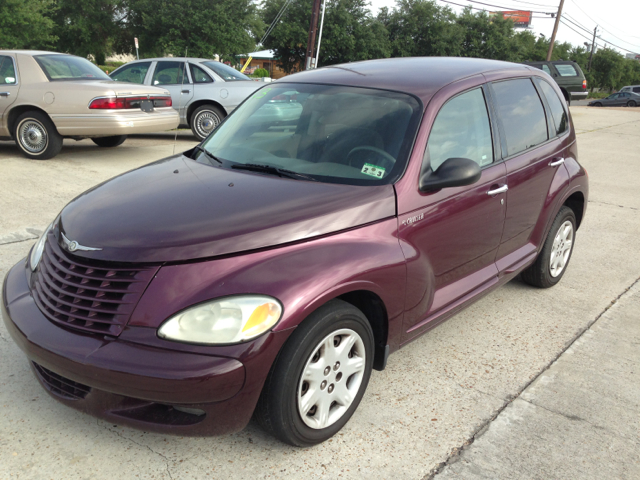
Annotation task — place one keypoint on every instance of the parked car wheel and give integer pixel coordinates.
(320, 376)
(109, 142)
(205, 119)
(37, 136)
(597, 104)
(554, 257)
(631, 103)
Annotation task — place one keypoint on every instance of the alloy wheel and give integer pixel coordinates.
(561, 249)
(331, 378)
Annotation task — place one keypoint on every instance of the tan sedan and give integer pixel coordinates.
(45, 97)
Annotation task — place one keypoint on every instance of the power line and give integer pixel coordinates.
(536, 4)
(571, 28)
(600, 22)
(500, 6)
(568, 18)
(576, 23)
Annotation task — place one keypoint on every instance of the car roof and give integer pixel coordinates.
(33, 52)
(174, 59)
(420, 76)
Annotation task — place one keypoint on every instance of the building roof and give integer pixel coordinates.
(421, 76)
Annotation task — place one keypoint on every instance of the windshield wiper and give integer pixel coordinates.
(281, 172)
(208, 154)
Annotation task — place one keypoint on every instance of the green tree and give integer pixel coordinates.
(203, 27)
(89, 27)
(422, 28)
(350, 33)
(607, 68)
(25, 24)
(485, 36)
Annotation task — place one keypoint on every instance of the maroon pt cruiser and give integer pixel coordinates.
(335, 216)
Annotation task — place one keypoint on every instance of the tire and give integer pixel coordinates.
(597, 104)
(37, 136)
(337, 386)
(109, 142)
(631, 103)
(549, 267)
(205, 119)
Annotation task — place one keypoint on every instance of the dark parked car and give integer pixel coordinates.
(620, 99)
(569, 77)
(271, 268)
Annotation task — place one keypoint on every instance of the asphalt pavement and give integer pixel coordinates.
(525, 383)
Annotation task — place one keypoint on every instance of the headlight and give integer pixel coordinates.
(38, 248)
(227, 320)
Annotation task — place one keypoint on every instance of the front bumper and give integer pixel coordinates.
(120, 122)
(134, 384)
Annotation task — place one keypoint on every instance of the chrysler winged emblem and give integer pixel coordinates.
(72, 245)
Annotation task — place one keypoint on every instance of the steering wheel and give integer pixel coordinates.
(375, 150)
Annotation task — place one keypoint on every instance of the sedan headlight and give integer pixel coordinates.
(224, 321)
(38, 248)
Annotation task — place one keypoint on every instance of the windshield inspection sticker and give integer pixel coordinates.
(373, 170)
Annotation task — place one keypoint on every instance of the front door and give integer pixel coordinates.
(173, 76)
(450, 242)
(9, 87)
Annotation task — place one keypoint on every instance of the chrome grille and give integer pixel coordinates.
(87, 295)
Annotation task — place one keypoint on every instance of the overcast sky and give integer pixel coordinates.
(618, 19)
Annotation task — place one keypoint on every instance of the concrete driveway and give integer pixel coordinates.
(436, 394)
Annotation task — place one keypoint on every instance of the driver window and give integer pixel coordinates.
(133, 73)
(461, 130)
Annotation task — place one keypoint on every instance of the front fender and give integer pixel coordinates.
(303, 276)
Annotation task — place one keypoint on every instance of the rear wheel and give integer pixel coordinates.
(37, 136)
(319, 377)
(554, 257)
(631, 103)
(597, 104)
(108, 142)
(205, 119)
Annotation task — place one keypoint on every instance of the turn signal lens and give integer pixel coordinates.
(584, 84)
(225, 321)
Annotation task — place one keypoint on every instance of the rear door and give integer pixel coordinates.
(173, 76)
(533, 154)
(9, 87)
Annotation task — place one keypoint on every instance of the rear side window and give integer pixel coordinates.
(199, 75)
(7, 71)
(521, 113)
(566, 70)
(555, 104)
(134, 73)
(170, 73)
(636, 89)
(461, 130)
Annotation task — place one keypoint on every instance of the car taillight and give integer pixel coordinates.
(584, 84)
(118, 103)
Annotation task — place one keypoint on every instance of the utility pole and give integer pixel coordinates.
(593, 47)
(313, 28)
(555, 30)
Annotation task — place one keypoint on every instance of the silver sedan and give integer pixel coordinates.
(204, 93)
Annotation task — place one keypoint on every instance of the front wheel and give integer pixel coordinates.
(319, 377)
(205, 119)
(554, 257)
(631, 103)
(597, 104)
(37, 136)
(109, 142)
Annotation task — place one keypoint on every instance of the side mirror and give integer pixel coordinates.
(454, 172)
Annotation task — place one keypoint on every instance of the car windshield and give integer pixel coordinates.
(227, 73)
(69, 67)
(334, 134)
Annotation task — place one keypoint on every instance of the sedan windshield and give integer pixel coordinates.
(69, 67)
(335, 134)
(227, 73)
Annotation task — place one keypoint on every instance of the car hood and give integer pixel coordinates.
(177, 210)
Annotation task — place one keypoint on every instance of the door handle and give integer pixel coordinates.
(501, 189)
(185, 91)
(5, 94)
(556, 162)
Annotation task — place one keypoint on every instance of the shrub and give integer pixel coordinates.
(261, 72)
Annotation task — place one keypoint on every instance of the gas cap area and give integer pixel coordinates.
(49, 98)
(224, 93)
